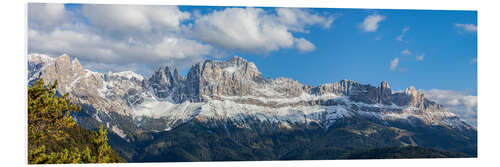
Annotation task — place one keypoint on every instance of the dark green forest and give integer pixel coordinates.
(200, 141)
(55, 137)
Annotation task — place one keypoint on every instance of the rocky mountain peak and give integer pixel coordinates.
(177, 77)
(232, 89)
(234, 77)
(411, 91)
(39, 58)
(76, 65)
(63, 61)
(63, 70)
(237, 60)
(384, 93)
(411, 97)
(36, 62)
(162, 82)
(384, 85)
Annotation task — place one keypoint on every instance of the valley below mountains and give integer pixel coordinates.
(228, 111)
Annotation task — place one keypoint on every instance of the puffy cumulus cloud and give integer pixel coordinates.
(467, 27)
(256, 30)
(394, 64)
(114, 36)
(458, 102)
(134, 21)
(134, 17)
(47, 16)
(179, 48)
(93, 48)
(371, 23)
(249, 30)
(136, 37)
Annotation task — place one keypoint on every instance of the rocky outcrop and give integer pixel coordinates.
(232, 89)
(235, 77)
(412, 97)
(178, 79)
(61, 69)
(106, 92)
(384, 94)
(208, 80)
(162, 82)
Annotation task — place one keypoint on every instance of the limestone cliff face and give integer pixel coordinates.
(235, 85)
(106, 92)
(162, 82)
(63, 70)
(235, 77)
(384, 93)
(208, 80)
(411, 97)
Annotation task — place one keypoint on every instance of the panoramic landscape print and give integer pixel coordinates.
(156, 83)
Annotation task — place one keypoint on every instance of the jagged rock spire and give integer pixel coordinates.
(384, 93)
(177, 77)
(162, 82)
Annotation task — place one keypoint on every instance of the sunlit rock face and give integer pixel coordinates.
(232, 90)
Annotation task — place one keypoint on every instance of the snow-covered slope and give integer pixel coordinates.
(236, 91)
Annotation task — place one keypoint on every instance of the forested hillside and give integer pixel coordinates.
(53, 135)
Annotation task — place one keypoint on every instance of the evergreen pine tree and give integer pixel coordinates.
(51, 131)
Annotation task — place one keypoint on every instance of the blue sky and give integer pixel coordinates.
(433, 50)
(345, 51)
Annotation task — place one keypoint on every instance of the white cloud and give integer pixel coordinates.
(134, 17)
(297, 19)
(420, 57)
(467, 27)
(406, 52)
(117, 35)
(93, 48)
(134, 22)
(256, 30)
(179, 48)
(394, 63)
(371, 22)
(403, 33)
(304, 45)
(47, 16)
(107, 37)
(458, 102)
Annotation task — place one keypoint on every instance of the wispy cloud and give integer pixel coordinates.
(394, 64)
(371, 22)
(420, 57)
(403, 33)
(304, 45)
(406, 52)
(467, 27)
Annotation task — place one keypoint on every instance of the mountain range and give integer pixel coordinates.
(227, 110)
